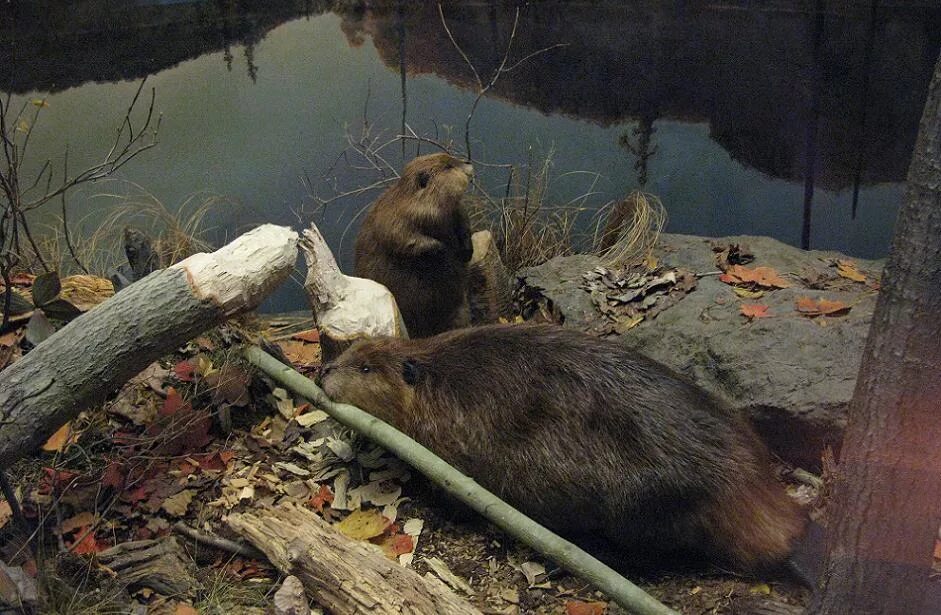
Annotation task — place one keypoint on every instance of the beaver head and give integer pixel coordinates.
(375, 375)
(435, 178)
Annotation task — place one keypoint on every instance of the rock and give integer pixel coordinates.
(794, 375)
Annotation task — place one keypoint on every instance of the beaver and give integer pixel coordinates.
(585, 436)
(416, 241)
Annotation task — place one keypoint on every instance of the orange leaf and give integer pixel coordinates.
(185, 609)
(81, 520)
(937, 549)
(577, 607)
(300, 353)
(754, 310)
(848, 270)
(760, 276)
(822, 307)
(113, 476)
(395, 545)
(87, 545)
(173, 403)
(184, 370)
(323, 496)
(61, 439)
(6, 513)
(311, 335)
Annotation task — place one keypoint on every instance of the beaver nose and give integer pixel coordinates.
(324, 370)
(467, 168)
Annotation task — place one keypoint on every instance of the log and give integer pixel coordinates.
(465, 489)
(344, 576)
(345, 308)
(100, 350)
(161, 565)
(488, 282)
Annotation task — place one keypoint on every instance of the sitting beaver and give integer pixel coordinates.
(416, 241)
(583, 435)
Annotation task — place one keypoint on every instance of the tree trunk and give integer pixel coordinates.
(344, 576)
(887, 495)
(100, 350)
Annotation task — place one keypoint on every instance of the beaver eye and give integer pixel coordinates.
(423, 178)
(364, 369)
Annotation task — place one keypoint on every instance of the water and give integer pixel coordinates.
(789, 119)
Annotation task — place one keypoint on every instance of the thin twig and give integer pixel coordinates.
(218, 542)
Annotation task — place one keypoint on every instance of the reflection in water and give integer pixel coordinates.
(749, 117)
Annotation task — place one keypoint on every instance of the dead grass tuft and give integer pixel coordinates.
(632, 229)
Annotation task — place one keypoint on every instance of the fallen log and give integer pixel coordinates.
(344, 576)
(100, 350)
(465, 489)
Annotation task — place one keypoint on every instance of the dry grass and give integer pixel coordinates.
(177, 233)
(631, 230)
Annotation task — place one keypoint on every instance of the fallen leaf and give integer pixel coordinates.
(311, 336)
(321, 498)
(760, 588)
(61, 439)
(84, 519)
(766, 277)
(184, 370)
(444, 573)
(88, 544)
(809, 307)
(301, 354)
(6, 513)
(185, 609)
(173, 403)
(534, 572)
(363, 524)
(848, 270)
(577, 607)
(754, 311)
(176, 505)
(113, 476)
(745, 293)
(395, 545)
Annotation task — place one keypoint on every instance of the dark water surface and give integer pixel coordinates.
(789, 119)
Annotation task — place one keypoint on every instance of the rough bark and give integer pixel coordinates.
(344, 576)
(100, 350)
(887, 499)
(345, 308)
(158, 564)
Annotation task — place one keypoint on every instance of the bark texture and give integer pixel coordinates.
(344, 576)
(100, 350)
(887, 499)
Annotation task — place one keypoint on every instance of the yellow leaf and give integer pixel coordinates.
(748, 294)
(22, 125)
(58, 441)
(760, 588)
(39, 102)
(5, 513)
(363, 524)
(204, 366)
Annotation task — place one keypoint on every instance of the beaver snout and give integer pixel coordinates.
(324, 370)
(467, 168)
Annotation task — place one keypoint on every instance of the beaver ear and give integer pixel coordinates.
(423, 179)
(410, 372)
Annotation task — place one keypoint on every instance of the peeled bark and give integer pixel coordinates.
(345, 308)
(100, 350)
(887, 499)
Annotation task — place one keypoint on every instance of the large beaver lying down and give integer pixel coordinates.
(416, 242)
(585, 436)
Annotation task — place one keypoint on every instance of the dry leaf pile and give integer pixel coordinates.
(628, 295)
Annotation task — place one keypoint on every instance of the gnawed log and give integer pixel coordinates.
(100, 350)
(345, 308)
(488, 282)
(344, 576)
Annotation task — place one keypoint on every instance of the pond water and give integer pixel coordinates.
(789, 119)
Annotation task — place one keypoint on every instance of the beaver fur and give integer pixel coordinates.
(416, 241)
(584, 435)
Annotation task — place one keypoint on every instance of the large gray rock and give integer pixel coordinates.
(794, 375)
